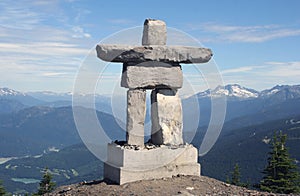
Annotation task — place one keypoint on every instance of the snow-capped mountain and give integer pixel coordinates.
(235, 91)
(283, 92)
(50, 96)
(10, 92)
(22, 98)
(241, 101)
(230, 91)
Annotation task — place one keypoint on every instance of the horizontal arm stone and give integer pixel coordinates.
(166, 54)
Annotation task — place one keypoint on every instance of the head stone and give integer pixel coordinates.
(155, 32)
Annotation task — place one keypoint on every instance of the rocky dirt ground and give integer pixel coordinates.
(179, 185)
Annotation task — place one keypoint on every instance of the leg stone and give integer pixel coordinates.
(136, 112)
(166, 116)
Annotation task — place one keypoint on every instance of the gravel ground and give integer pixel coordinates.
(179, 185)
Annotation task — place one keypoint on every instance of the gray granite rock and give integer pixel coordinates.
(166, 116)
(149, 75)
(166, 54)
(136, 112)
(129, 165)
(155, 32)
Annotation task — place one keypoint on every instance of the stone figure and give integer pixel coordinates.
(157, 67)
(153, 66)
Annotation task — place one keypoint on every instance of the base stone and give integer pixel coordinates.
(128, 165)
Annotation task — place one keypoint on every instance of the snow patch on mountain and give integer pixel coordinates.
(238, 91)
(233, 90)
(283, 90)
(10, 92)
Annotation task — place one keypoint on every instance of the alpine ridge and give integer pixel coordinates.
(240, 92)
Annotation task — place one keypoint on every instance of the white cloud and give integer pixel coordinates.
(81, 13)
(53, 74)
(43, 48)
(17, 16)
(264, 76)
(287, 70)
(238, 70)
(43, 62)
(27, 14)
(256, 33)
(78, 32)
(40, 45)
(212, 27)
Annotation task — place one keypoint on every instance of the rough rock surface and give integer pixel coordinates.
(179, 185)
(152, 74)
(166, 117)
(125, 165)
(166, 54)
(136, 113)
(155, 32)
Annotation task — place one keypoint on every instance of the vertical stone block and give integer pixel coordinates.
(166, 117)
(155, 32)
(136, 112)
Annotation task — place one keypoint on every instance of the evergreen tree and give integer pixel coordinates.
(236, 175)
(46, 184)
(228, 181)
(281, 174)
(2, 189)
(235, 178)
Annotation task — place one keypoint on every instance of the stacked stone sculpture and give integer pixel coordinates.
(152, 66)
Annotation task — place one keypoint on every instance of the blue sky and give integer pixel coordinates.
(43, 43)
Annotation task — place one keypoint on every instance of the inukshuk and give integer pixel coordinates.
(152, 66)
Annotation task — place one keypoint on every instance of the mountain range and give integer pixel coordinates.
(37, 130)
(234, 91)
(240, 102)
